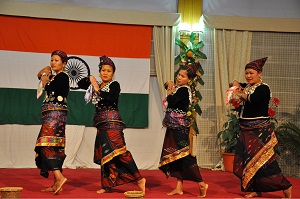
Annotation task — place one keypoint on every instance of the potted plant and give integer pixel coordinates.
(228, 139)
(288, 147)
(228, 136)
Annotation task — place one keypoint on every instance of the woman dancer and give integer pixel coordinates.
(176, 160)
(50, 144)
(117, 164)
(255, 160)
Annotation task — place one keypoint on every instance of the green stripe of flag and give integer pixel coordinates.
(20, 106)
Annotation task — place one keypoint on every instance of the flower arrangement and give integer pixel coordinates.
(231, 127)
(235, 102)
(274, 103)
(190, 53)
(230, 131)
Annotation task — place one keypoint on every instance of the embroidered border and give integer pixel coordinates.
(113, 154)
(259, 160)
(175, 156)
(51, 141)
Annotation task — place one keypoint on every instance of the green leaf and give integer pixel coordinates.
(192, 37)
(177, 59)
(202, 55)
(201, 82)
(200, 44)
(229, 134)
(198, 109)
(181, 44)
(225, 125)
(289, 131)
(198, 95)
(195, 127)
(196, 53)
(219, 134)
(200, 69)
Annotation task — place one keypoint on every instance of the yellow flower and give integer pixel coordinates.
(189, 113)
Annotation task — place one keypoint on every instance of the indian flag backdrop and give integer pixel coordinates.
(25, 48)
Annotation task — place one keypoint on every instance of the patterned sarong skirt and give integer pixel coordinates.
(117, 164)
(50, 144)
(255, 159)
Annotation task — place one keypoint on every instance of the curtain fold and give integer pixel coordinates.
(232, 52)
(163, 38)
(73, 144)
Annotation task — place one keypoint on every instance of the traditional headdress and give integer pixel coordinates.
(104, 60)
(61, 54)
(257, 64)
(192, 68)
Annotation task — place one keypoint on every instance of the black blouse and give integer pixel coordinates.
(57, 89)
(109, 96)
(179, 100)
(258, 103)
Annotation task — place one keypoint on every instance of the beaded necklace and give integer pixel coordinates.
(249, 89)
(105, 88)
(96, 98)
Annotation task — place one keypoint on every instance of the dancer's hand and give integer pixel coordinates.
(95, 84)
(45, 71)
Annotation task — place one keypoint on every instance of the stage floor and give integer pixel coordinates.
(83, 183)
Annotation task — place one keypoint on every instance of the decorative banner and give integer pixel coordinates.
(25, 48)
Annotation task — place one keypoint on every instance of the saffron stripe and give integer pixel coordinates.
(82, 38)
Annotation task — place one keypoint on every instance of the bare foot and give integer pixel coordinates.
(203, 191)
(59, 185)
(142, 185)
(48, 189)
(175, 192)
(105, 190)
(253, 194)
(288, 193)
(101, 191)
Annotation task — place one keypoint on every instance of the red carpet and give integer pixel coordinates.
(83, 183)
